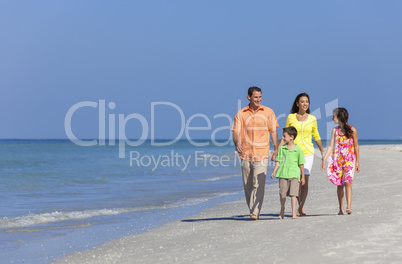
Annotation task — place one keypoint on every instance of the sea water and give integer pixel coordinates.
(58, 197)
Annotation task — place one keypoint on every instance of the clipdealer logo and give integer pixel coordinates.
(175, 159)
(107, 122)
(146, 128)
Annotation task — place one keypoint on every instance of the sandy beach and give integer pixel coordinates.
(225, 234)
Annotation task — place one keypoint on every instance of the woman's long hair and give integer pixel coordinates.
(343, 116)
(295, 108)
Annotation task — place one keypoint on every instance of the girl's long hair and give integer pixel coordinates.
(295, 108)
(343, 116)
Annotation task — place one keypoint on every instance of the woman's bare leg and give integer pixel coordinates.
(303, 191)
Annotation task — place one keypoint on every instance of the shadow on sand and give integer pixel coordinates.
(263, 217)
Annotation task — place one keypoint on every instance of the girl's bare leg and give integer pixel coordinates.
(340, 198)
(303, 191)
(348, 187)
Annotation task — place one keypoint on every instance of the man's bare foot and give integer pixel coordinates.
(295, 216)
(282, 213)
(340, 212)
(349, 211)
(253, 216)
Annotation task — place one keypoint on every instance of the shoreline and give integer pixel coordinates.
(82, 235)
(224, 233)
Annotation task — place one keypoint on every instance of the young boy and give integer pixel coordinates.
(290, 161)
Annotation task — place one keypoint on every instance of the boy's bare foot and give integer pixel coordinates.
(295, 216)
(349, 211)
(253, 216)
(340, 212)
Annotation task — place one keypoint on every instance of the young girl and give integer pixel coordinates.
(343, 152)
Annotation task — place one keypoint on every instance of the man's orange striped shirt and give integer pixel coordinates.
(254, 128)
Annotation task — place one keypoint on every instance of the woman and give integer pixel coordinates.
(306, 126)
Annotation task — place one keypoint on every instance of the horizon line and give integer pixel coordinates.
(161, 139)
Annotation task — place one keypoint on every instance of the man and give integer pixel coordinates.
(251, 128)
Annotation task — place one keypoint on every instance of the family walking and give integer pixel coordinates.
(254, 126)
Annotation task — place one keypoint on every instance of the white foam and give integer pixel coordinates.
(52, 217)
(218, 178)
(195, 201)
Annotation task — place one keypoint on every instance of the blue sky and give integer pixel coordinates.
(199, 56)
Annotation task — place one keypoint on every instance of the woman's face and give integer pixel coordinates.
(303, 103)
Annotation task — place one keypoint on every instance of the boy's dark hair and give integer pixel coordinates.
(291, 131)
(252, 89)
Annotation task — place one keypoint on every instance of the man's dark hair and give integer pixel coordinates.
(291, 131)
(252, 89)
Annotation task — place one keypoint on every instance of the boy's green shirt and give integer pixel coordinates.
(289, 162)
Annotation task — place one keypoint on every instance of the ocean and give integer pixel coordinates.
(58, 197)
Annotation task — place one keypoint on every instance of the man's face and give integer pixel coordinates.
(255, 99)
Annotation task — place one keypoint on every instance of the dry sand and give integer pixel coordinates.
(225, 234)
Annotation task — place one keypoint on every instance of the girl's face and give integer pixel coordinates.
(335, 118)
(303, 103)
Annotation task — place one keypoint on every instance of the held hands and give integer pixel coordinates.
(273, 157)
(322, 167)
